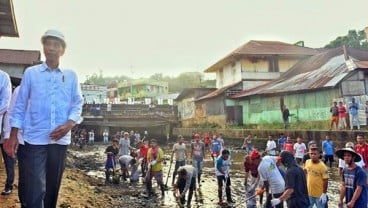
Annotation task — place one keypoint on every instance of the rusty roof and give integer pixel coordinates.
(323, 70)
(218, 92)
(26, 57)
(198, 92)
(8, 24)
(263, 48)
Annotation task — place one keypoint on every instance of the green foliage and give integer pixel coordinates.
(355, 39)
(316, 125)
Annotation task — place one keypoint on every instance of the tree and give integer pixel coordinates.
(355, 39)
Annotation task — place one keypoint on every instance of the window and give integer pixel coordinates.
(273, 64)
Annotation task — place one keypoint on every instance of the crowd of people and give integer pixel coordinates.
(287, 173)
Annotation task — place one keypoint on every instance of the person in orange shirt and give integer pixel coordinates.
(289, 145)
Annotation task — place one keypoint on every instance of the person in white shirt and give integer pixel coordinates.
(299, 150)
(271, 146)
(105, 136)
(180, 152)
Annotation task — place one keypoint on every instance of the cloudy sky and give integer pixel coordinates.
(138, 38)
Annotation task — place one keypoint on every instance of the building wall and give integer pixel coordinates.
(255, 69)
(186, 108)
(14, 70)
(311, 106)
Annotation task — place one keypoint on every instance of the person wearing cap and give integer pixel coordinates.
(353, 112)
(222, 170)
(180, 151)
(155, 157)
(124, 145)
(198, 155)
(317, 179)
(342, 163)
(353, 185)
(334, 110)
(48, 106)
(250, 189)
(296, 193)
(270, 177)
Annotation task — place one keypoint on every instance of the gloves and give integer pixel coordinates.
(275, 201)
(153, 162)
(259, 191)
(323, 198)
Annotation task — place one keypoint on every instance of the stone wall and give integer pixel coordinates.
(236, 136)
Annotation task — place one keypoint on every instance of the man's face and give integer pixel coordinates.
(314, 154)
(360, 139)
(348, 158)
(225, 156)
(53, 49)
(153, 144)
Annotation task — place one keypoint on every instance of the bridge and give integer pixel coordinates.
(156, 119)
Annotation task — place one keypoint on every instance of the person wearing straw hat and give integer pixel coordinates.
(353, 185)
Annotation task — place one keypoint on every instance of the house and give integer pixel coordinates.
(257, 62)
(14, 62)
(188, 114)
(8, 24)
(141, 91)
(251, 65)
(309, 88)
(94, 93)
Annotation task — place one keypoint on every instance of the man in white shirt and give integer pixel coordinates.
(179, 150)
(299, 150)
(271, 146)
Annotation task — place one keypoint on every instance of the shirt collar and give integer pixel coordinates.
(45, 67)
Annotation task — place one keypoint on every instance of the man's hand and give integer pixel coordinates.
(62, 130)
(275, 201)
(11, 145)
(153, 162)
(259, 191)
(323, 198)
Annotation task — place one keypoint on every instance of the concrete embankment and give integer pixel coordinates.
(237, 135)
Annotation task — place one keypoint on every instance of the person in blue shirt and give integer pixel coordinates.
(354, 115)
(281, 141)
(328, 148)
(5, 95)
(222, 168)
(48, 105)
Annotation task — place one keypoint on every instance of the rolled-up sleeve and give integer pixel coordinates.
(77, 102)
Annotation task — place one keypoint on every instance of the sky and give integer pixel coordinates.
(139, 38)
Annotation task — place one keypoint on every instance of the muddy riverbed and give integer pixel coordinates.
(83, 184)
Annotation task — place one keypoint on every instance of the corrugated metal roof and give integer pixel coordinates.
(218, 92)
(26, 57)
(323, 70)
(265, 48)
(200, 92)
(8, 24)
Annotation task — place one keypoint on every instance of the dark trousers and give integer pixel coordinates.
(221, 180)
(268, 201)
(178, 164)
(9, 168)
(181, 186)
(40, 172)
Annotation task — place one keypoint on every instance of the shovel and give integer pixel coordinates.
(168, 174)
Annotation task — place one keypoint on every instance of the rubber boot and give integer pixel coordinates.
(220, 196)
(199, 179)
(149, 188)
(228, 195)
(190, 195)
(107, 176)
(162, 190)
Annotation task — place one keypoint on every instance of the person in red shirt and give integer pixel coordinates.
(362, 148)
(289, 145)
(207, 140)
(143, 149)
(342, 116)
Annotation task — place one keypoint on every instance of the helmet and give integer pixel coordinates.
(254, 155)
(54, 34)
(197, 136)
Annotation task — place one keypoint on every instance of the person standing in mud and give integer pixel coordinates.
(48, 106)
(186, 181)
(124, 145)
(110, 164)
(198, 156)
(155, 157)
(143, 149)
(328, 148)
(296, 193)
(180, 152)
(270, 177)
(250, 189)
(222, 169)
(105, 135)
(216, 148)
(353, 185)
(317, 179)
